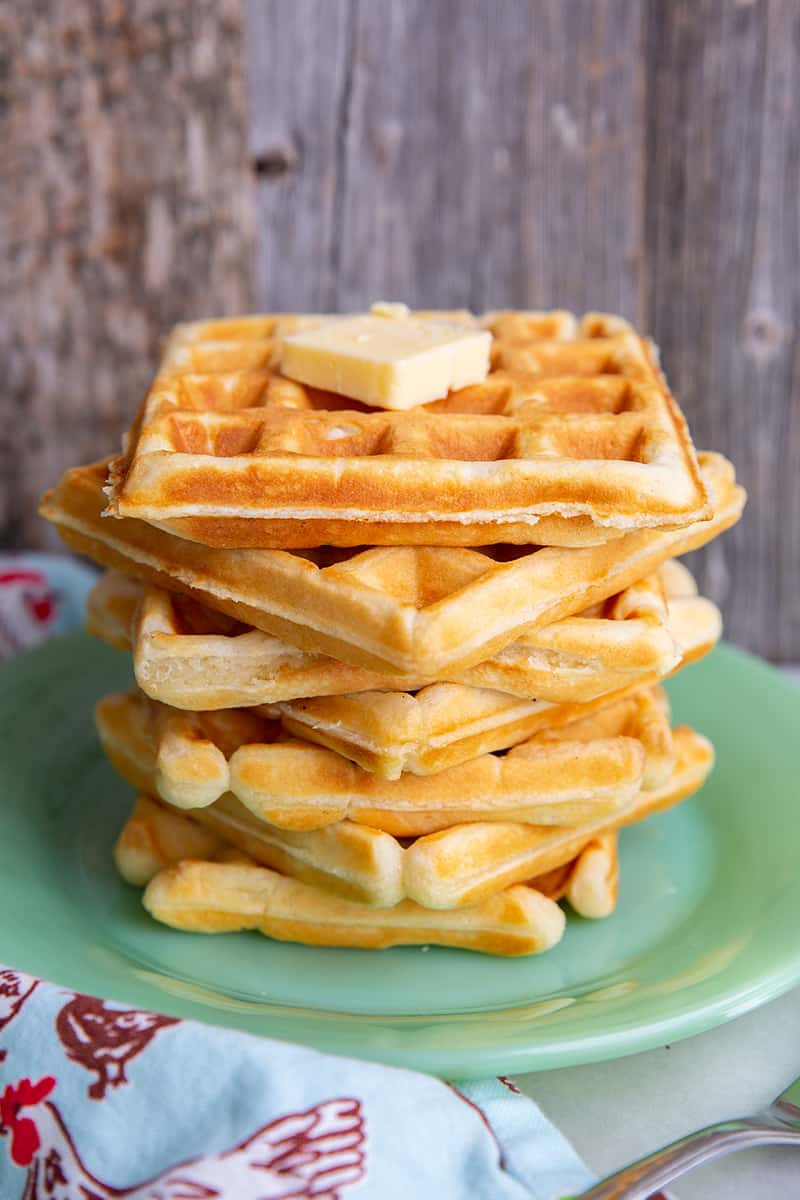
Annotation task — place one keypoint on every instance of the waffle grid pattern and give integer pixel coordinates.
(525, 444)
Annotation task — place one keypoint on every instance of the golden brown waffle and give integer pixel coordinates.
(421, 611)
(209, 897)
(640, 713)
(110, 609)
(192, 759)
(590, 882)
(568, 441)
(155, 837)
(350, 860)
(593, 885)
(192, 657)
(467, 862)
(456, 867)
(248, 343)
(445, 724)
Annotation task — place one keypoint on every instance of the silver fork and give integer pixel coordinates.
(778, 1122)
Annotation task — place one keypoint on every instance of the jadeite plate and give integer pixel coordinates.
(708, 924)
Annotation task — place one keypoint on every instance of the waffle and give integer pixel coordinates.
(349, 860)
(593, 884)
(466, 863)
(420, 611)
(208, 897)
(192, 657)
(219, 897)
(110, 609)
(457, 867)
(190, 760)
(589, 882)
(155, 837)
(568, 440)
(561, 776)
(445, 724)
(250, 343)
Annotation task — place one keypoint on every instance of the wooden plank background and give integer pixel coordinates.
(167, 160)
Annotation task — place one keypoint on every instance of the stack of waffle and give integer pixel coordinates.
(399, 673)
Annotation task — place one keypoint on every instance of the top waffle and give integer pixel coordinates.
(572, 438)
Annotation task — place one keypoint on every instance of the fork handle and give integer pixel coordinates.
(642, 1178)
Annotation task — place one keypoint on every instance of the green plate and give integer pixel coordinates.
(707, 927)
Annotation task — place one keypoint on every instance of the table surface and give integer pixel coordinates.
(617, 1111)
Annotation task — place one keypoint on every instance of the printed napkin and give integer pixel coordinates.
(103, 1102)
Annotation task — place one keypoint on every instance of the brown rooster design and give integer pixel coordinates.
(104, 1040)
(309, 1155)
(15, 988)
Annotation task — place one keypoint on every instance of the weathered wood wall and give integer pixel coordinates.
(126, 190)
(636, 155)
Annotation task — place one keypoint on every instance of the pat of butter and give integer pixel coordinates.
(388, 358)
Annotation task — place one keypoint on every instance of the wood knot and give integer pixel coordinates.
(763, 333)
(275, 161)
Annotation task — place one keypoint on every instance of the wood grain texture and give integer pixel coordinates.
(449, 153)
(636, 157)
(126, 190)
(299, 63)
(722, 289)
